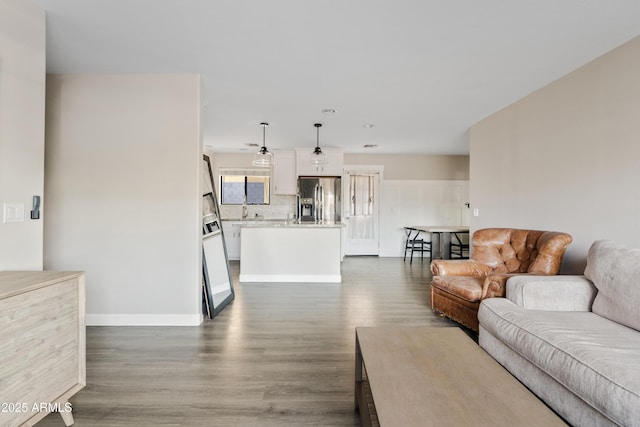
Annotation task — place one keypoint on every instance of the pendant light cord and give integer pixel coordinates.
(264, 134)
(264, 150)
(318, 150)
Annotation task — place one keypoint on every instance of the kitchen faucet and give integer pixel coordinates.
(245, 210)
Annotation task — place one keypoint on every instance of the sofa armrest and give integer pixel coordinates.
(552, 293)
(447, 267)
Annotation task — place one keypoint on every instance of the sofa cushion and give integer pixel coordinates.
(466, 287)
(593, 357)
(615, 270)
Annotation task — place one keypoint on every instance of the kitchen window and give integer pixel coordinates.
(235, 185)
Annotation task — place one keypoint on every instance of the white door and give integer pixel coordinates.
(361, 212)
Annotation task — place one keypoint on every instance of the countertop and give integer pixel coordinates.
(281, 223)
(17, 282)
(250, 220)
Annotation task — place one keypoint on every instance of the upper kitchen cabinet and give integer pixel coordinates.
(284, 173)
(334, 166)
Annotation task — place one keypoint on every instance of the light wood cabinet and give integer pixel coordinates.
(284, 173)
(334, 167)
(42, 344)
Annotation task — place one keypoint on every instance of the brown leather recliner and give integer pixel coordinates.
(458, 286)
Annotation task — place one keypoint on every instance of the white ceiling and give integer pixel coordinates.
(421, 71)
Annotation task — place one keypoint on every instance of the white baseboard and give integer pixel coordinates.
(144, 319)
(299, 278)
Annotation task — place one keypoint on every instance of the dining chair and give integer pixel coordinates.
(414, 244)
(458, 249)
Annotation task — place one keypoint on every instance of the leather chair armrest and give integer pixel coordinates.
(495, 286)
(447, 267)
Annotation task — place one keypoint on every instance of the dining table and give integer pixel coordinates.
(440, 237)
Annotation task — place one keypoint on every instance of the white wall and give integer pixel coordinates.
(419, 202)
(123, 177)
(566, 157)
(413, 167)
(22, 100)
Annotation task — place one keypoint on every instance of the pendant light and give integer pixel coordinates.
(263, 158)
(317, 156)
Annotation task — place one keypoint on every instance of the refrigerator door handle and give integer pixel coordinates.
(321, 194)
(315, 202)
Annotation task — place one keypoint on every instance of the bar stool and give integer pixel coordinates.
(457, 248)
(414, 244)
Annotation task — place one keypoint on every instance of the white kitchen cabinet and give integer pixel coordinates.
(284, 173)
(271, 253)
(231, 230)
(334, 166)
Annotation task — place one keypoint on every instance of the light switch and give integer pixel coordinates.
(476, 212)
(13, 212)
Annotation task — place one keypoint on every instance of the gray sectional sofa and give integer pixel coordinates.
(574, 341)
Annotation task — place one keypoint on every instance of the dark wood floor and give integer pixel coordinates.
(279, 355)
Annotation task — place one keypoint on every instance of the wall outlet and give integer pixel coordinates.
(476, 212)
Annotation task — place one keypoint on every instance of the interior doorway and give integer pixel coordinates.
(362, 209)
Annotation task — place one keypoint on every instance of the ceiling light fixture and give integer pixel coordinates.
(317, 156)
(368, 125)
(263, 158)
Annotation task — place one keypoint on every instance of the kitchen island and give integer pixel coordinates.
(290, 252)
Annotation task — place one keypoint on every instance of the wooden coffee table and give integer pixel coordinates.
(419, 376)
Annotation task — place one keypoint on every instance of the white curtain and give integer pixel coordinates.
(361, 195)
(361, 189)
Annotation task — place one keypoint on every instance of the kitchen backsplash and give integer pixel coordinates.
(281, 207)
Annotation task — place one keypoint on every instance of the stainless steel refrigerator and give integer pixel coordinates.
(319, 199)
